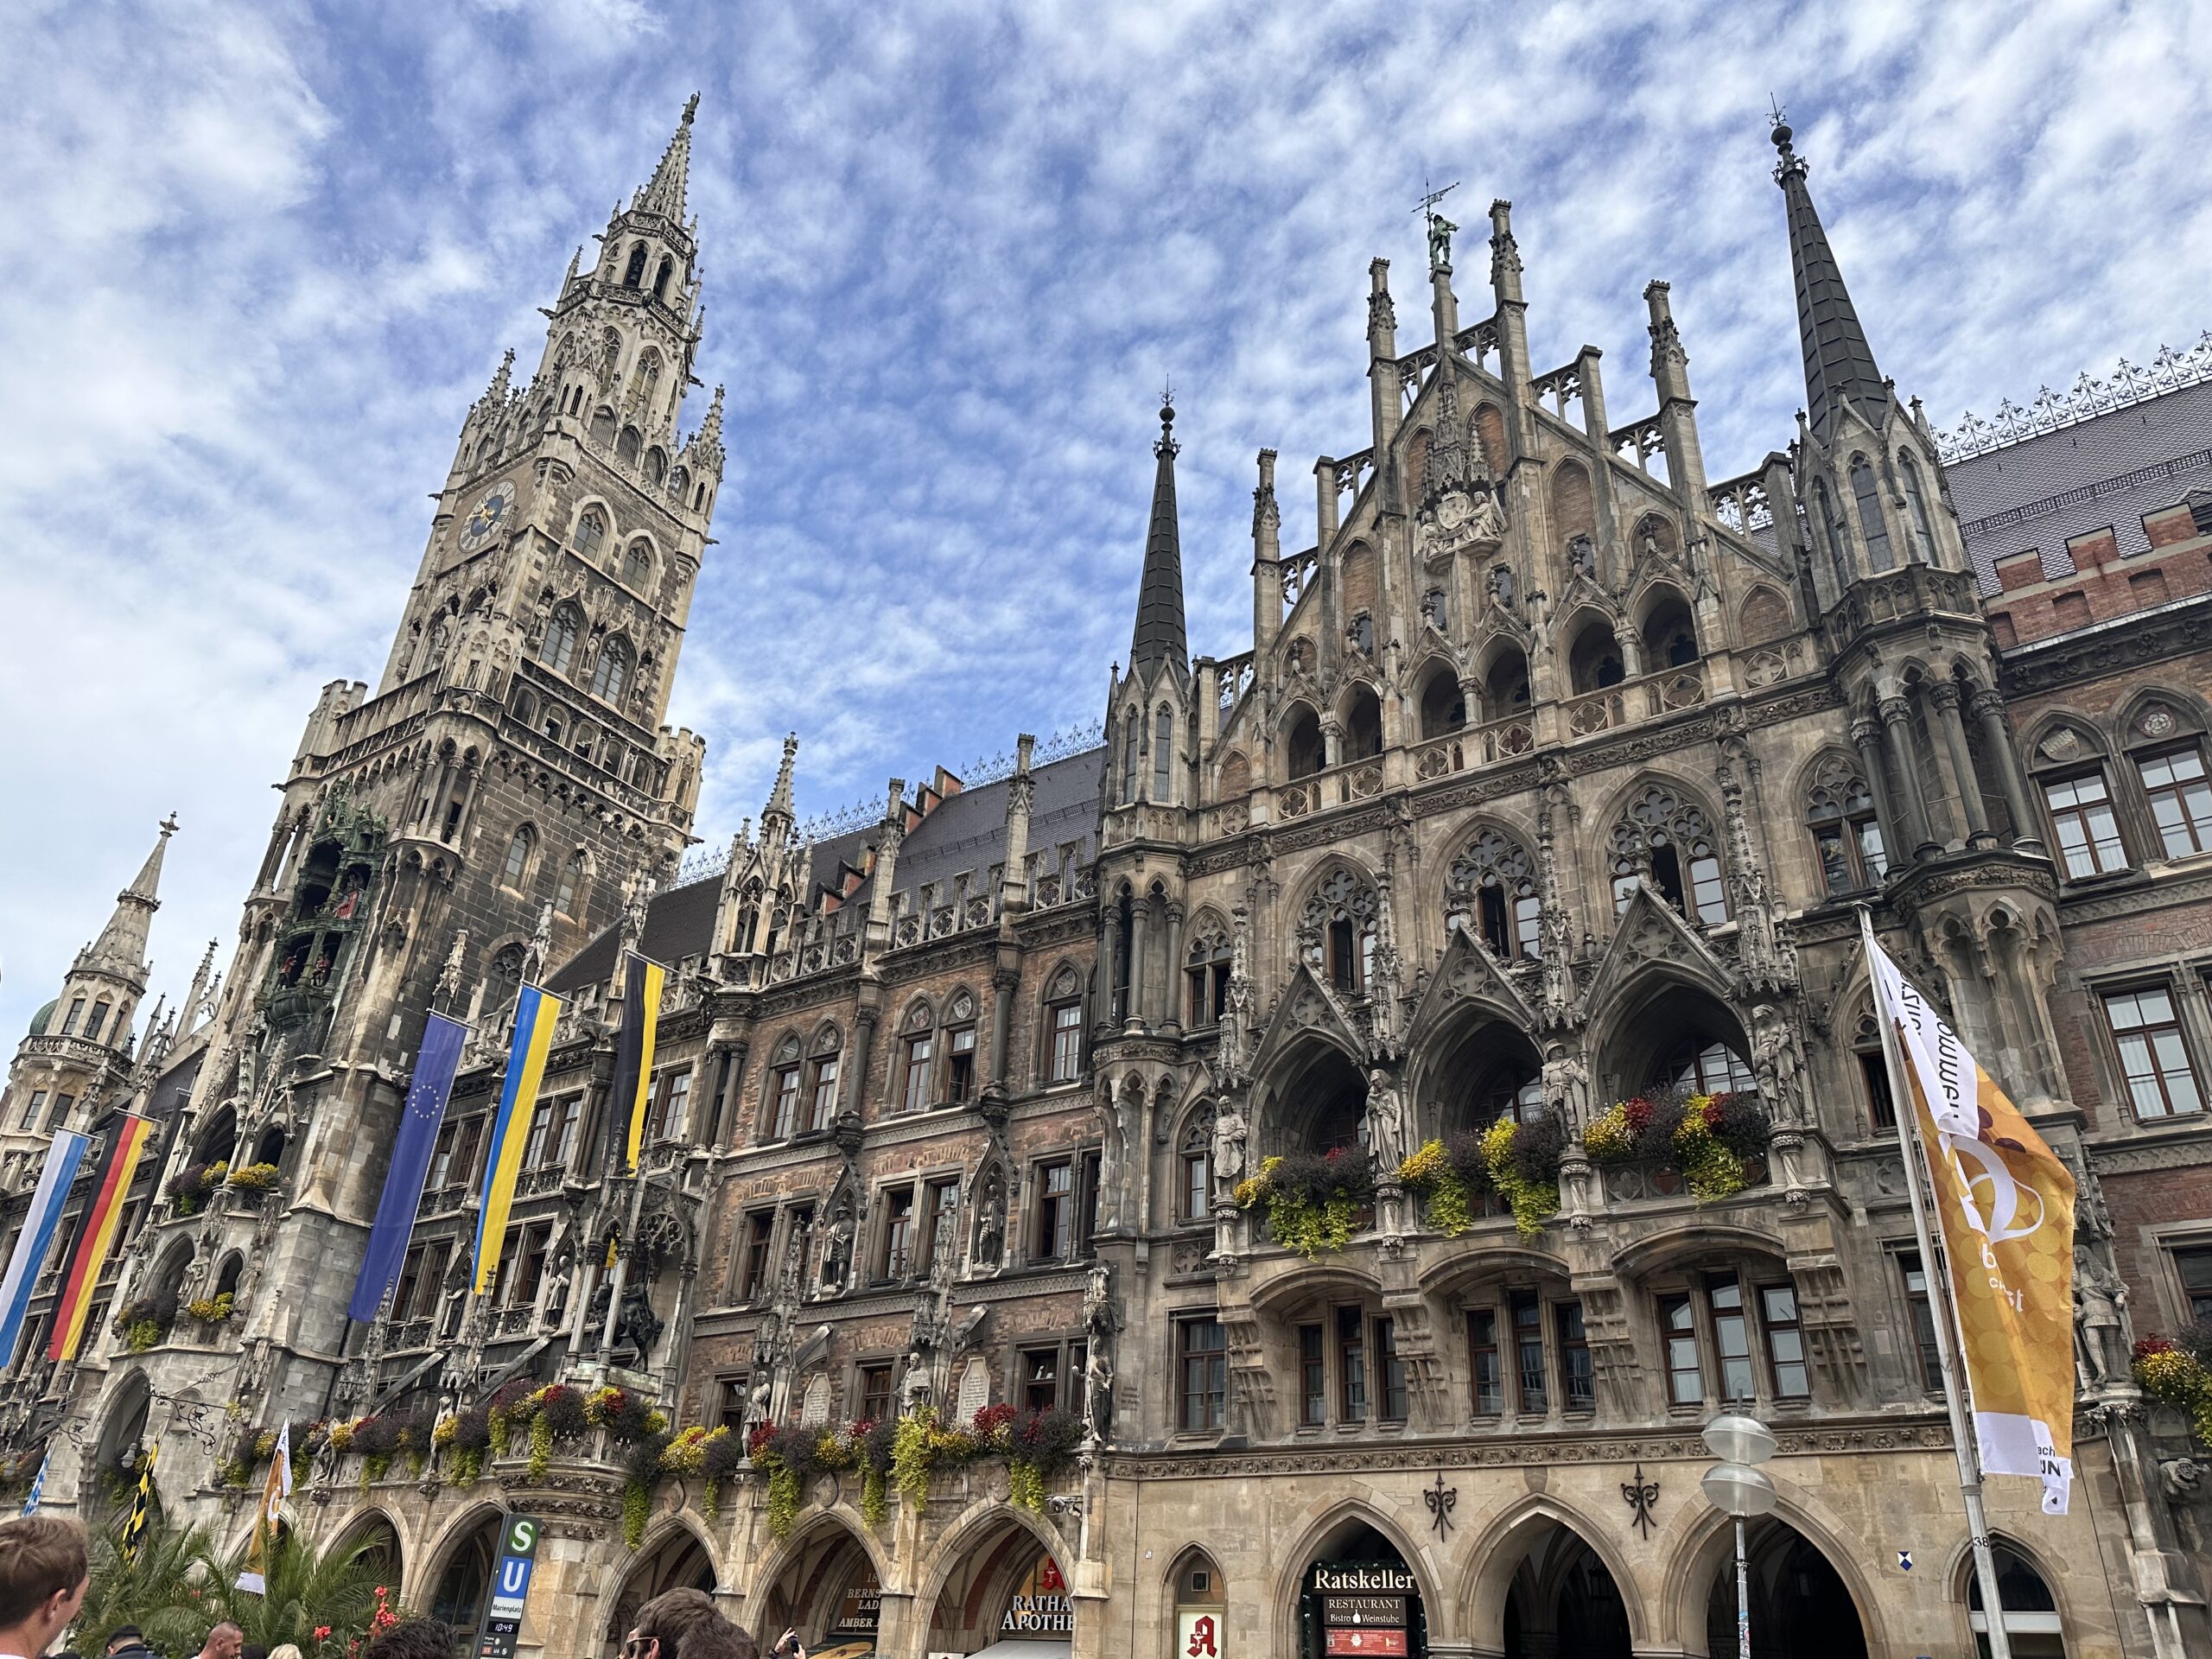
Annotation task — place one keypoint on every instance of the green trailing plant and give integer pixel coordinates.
(2176, 1372)
(1313, 1199)
(1523, 1161)
(1449, 1177)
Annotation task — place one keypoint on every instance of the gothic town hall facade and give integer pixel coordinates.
(1555, 774)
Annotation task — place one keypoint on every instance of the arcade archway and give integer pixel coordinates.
(1357, 1595)
(1003, 1585)
(1800, 1608)
(1563, 1600)
(457, 1591)
(828, 1591)
(679, 1562)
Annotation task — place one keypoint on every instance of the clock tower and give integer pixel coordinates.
(492, 803)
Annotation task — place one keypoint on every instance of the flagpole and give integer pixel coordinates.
(1944, 1323)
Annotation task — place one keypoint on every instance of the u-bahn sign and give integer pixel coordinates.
(510, 1588)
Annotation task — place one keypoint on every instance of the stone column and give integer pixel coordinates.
(1997, 743)
(1897, 717)
(1945, 697)
(1134, 1015)
(1171, 1015)
(1631, 648)
(1896, 839)
(1004, 977)
(1107, 1014)
(1333, 741)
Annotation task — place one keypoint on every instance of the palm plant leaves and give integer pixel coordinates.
(183, 1581)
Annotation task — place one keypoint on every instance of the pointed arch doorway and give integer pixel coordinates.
(1358, 1597)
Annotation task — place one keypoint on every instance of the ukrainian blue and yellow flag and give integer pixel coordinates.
(643, 982)
(537, 1012)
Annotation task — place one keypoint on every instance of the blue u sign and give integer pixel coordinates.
(514, 1576)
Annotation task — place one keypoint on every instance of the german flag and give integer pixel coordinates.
(96, 1229)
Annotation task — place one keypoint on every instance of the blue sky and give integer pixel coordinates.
(261, 258)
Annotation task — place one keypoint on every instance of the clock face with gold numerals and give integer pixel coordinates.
(489, 518)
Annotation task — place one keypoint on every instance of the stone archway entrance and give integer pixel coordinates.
(1563, 1601)
(679, 1562)
(1007, 1596)
(1800, 1608)
(457, 1592)
(829, 1593)
(1358, 1597)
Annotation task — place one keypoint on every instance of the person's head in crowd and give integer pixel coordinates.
(123, 1638)
(253, 1650)
(282, 1650)
(416, 1638)
(224, 1641)
(686, 1624)
(45, 1567)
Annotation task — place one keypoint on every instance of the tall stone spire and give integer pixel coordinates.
(776, 817)
(122, 942)
(1839, 364)
(1159, 637)
(663, 193)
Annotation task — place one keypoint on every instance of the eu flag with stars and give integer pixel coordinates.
(411, 1162)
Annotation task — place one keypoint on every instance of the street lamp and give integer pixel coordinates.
(1738, 1488)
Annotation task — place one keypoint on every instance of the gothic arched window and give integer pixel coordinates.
(1336, 931)
(1846, 835)
(637, 563)
(505, 979)
(560, 652)
(1131, 724)
(610, 675)
(591, 530)
(634, 274)
(660, 278)
(1924, 539)
(576, 878)
(1666, 842)
(1206, 971)
(1868, 500)
(1163, 755)
(98, 1023)
(519, 849)
(70, 1020)
(1492, 885)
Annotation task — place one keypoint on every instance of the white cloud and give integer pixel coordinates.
(261, 259)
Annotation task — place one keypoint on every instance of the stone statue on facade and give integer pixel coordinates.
(1566, 1088)
(1229, 1140)
(914, 1389)
(1386, 1123)
(1777, 1064)
(990, 1221)
(2100, 1303)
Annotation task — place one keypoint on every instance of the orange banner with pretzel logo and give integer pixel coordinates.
(2003, 1207)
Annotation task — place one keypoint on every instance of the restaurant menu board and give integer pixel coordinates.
(1366, 1608)
(859, 1610)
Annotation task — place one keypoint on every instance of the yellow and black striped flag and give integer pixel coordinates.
(142, 1506)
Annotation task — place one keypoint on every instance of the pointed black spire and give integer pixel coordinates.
(1159, 637)
(1839, 363)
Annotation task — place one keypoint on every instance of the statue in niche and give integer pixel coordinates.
(837, 1251)
(1582, 556)
(914, 1390)
(638, 1325)
(1501, 585)
(1566, 1087)
(1776, 1064)
(1386, 1123)
(990, 1221)
(1098, 1393)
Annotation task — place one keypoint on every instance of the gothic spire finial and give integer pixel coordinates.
(1159, 637)
(1839, 364)
(663, 193)
(779, 798)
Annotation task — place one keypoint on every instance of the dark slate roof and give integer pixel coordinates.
(1839, 363)
(967, 831)
(2106, 471)
(174, 1086)
(680, 922)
